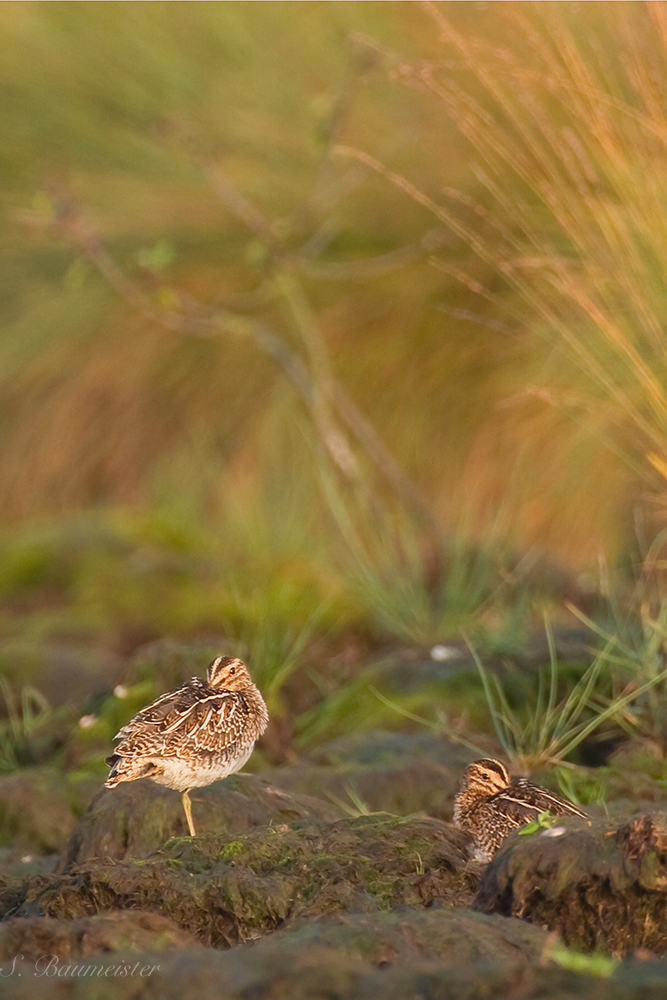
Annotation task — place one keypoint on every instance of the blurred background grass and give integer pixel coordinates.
(327, 326)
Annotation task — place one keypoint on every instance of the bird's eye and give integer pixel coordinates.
(485, 776)
(233, 670)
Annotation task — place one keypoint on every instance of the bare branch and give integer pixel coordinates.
(238, 204)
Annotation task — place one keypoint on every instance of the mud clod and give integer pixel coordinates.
(124, 931)
(597, 886)
(137, 818)
(226, 891)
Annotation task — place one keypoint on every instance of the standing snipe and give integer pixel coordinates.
(490, 804)
(190, 737)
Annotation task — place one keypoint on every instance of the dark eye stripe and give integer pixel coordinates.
(495, 766)
(499, 770)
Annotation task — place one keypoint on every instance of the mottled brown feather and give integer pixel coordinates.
(194, 719)
(205, 726)
(490, 804)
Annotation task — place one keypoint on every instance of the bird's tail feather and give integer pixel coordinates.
(126, 769)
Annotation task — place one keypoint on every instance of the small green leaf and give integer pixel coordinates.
(156, 258)
(542, 821)
(76, 274)
(593, 965)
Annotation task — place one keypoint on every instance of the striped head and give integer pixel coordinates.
(483, 778)
(228, 673)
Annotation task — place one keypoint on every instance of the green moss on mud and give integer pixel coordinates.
(310, 868)
(231, 850)
(599, 885)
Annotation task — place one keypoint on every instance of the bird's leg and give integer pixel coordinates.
(187, 809)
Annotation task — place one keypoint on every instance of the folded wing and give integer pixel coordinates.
(184, 723)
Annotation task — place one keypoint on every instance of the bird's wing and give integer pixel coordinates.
(180, 723)
(533, 799)
(544, 800)
(514, 810)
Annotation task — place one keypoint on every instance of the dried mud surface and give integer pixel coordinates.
(285, 895)
(599, 885)
(226, 891)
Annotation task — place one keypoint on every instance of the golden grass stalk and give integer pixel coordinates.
(568, 130)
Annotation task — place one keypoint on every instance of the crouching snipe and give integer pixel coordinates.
(193, 736)
(490, 804)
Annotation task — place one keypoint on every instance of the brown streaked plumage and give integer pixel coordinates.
(190, 737)
(489, 804)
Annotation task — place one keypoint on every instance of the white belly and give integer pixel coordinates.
(181, 774)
